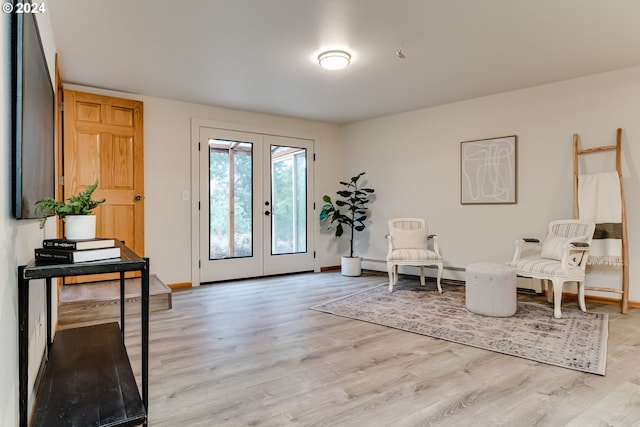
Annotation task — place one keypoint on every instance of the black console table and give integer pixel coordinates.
(87, 380)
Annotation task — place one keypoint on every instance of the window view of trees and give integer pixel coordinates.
(231, 200)
(289, 197)
(230, 204)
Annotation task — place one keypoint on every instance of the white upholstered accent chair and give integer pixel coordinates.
(408, 242)
(561, 258)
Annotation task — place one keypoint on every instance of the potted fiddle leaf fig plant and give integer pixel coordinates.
(76, 211)
(348, 212)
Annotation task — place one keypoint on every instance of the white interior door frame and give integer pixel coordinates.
(196, 124)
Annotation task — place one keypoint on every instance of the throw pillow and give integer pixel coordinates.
(554, 245)
(409, 239)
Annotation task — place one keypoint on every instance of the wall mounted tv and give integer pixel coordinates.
(33, 129)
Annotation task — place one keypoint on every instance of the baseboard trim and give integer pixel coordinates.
(329, 268)
(179, 285)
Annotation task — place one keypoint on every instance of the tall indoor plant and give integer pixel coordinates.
(76, 211)
(350, 211)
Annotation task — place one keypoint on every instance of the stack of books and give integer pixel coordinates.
(72, 251)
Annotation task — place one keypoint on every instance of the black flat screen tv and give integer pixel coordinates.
(33, 128)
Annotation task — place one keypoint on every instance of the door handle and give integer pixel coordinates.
(267, 213)
(138, 197)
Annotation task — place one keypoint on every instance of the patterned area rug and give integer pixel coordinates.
(576, 341)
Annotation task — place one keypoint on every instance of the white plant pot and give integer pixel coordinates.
(80, 227)
(351, 266)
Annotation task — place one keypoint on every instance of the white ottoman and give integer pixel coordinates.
(491, 289)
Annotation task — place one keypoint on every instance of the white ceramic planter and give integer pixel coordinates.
(79, 227)
(351, 266)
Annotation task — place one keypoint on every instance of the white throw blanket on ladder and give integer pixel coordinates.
(599, 201)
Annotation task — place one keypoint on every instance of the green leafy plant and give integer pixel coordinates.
(350, 211)
(80, 204)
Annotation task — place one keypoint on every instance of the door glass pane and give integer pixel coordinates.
(288, 200)
(230, 199)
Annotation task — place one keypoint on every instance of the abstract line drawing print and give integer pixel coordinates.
(488, 171)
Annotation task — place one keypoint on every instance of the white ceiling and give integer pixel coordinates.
(261, 55)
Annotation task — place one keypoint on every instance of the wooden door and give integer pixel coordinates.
(103, 140)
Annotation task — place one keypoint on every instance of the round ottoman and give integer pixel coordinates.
(491, 289)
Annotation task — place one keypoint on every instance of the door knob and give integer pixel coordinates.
(138, 197)
(267, 213)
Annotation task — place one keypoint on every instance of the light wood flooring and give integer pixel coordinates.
(85, 304)
(252, 353)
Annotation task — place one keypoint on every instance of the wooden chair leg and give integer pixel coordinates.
(422, 283)
(557, 299)
(583, 306)
(390, 268)
(438, 277)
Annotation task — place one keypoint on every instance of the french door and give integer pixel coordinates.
(255, 204)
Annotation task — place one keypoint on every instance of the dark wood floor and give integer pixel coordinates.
(251, 353)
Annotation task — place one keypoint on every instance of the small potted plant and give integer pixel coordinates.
(80, 223)
(350, 211)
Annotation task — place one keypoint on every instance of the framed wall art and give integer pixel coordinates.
(488, 171)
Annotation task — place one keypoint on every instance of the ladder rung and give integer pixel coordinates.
(591, 288)
(595, 149)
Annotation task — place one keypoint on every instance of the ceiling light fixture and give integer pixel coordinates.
(334, 59)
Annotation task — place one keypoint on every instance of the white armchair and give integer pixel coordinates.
(408, 244)
(561, 258)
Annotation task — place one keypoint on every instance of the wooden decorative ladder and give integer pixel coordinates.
(624, 291)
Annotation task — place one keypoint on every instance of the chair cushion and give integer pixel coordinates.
(418, 255)
(409, 239)
(543, 266)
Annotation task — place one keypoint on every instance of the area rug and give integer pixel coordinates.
(576, 341)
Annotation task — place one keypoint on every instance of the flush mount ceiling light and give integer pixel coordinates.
(334, 59)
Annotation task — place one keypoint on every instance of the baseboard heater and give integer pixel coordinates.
(523, 284)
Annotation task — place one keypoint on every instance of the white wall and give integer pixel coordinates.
(167, 164)
(413, 162)
(19, 240)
